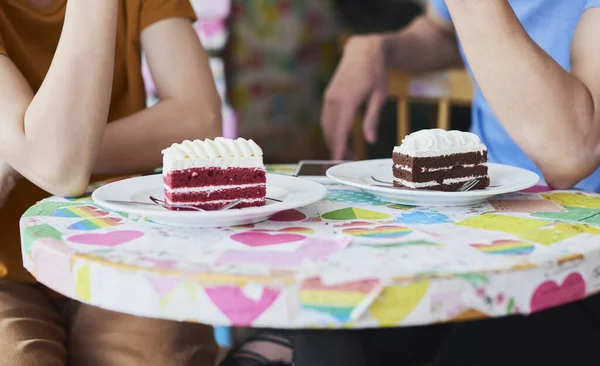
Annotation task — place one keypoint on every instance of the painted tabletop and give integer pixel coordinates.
(348, 261)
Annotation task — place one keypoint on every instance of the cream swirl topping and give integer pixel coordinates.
(434, 141)
(211, 149)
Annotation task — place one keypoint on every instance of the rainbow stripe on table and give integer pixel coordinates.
(381, 232)
(79, 211)
(505, 247)
(95, 224)
(337, 301)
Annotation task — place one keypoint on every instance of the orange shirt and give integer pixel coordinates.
(29, 37)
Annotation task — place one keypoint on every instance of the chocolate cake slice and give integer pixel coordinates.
(440, 160)
(211, 174)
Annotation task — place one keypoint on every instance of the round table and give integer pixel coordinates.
(349, 261)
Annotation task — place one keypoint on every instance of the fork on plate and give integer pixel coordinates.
(467, 186)
(164, 204)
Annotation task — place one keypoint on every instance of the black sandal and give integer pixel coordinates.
(240, 357)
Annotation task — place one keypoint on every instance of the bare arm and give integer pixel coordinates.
(52, 138)
(553, 115)
(190, 106)
(427, 44)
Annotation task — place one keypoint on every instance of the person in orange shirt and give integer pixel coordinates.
(66, 68)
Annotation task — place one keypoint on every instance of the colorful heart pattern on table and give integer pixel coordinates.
(237, 307)
(292, 229)
(80, 211)
(354, 224)
(312, 248)
(318, 238)
(352, 197)
(424, 218)
(403, 244)
(95, 224)
(84, 198)
(288, 216)
(354, 213)
(550, 294)
(505, 247)
(400, 207)
(111, 239)
(380, 232)
(260, 238)
(300, 230)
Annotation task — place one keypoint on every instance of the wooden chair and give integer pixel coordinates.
(444, 89)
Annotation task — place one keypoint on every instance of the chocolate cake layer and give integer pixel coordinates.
(452, 187)
(204, 177)
(443, 161)
(459, 171)
(222, 194)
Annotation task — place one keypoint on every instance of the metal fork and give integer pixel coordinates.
(468, 185)
(164, 204)
(464, 188)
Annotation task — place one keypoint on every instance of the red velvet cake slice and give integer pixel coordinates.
(210, 174)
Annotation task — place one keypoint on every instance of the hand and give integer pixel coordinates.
(8, 181)
(360, 76)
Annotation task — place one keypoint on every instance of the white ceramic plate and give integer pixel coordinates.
(293, 192)
(360, 174)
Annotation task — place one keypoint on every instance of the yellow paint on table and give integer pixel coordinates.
(503, 223)
(547, 236)
(574, 199)
(331, 298)
(396, 302)
(83, 283)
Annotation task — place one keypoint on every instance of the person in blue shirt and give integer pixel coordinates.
(536, 67)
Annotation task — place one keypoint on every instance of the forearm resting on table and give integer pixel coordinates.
(190, 106)
(133, 144)
(52, 138)
(550, 113)
(427, 44)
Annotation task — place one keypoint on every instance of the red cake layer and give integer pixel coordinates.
(212, 206)
(223, 194)
(213, 176)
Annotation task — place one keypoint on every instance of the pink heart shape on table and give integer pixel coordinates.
(111, 239)
(260, 239)
(237, 307)
(549, 294)
(288, 216)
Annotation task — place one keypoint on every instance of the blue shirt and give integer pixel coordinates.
(551, 24)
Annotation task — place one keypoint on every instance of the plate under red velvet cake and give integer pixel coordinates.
(210, 174)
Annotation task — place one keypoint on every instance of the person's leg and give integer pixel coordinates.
(104, 338)
(329, 348)
(567, 335)
(264, 348)
(31, 332)
(405, 346)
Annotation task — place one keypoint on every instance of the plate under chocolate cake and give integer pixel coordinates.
(440, 160)
(211, 174)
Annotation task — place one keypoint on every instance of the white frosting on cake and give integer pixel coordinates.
(220, 152)
(438, 142)
(211, 189)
